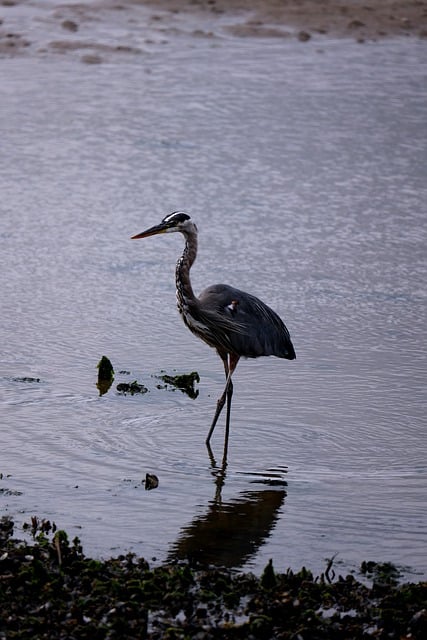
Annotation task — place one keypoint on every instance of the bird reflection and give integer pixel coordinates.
(229, 533)
(219, 473)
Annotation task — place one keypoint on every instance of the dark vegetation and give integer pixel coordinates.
(50, 589)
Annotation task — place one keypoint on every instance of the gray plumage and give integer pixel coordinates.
(235, 323)
(253, 328)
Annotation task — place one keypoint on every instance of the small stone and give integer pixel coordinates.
(355, 24)
(70, 25)
(91, 58)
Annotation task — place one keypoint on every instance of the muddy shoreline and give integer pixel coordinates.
(98, 30)
(371, 19)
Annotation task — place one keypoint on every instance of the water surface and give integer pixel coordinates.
(305, 170)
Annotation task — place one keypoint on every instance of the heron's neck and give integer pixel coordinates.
(184, 290)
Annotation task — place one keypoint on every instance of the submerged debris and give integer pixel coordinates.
(131, 387)
(5, 491)
(151, 481)
(105, 375)
(51, 584)
(183, 381)
(9, 492)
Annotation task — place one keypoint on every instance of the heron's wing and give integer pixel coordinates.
(212, 325)
(243, 322)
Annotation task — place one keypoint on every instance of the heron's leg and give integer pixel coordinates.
(230, 364)
(221, 401)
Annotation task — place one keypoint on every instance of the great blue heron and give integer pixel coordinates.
(233, 322)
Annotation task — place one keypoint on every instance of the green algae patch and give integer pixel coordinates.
(50, 586)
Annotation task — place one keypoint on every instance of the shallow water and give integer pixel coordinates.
(305, 170)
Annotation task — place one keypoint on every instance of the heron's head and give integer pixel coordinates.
(176, 221)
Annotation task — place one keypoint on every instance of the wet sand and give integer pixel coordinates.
(108, 27)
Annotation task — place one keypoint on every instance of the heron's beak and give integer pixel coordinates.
(152, 231)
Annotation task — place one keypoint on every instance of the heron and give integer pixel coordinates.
(235, 323)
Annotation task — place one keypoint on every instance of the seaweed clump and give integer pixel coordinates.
(51, 585)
